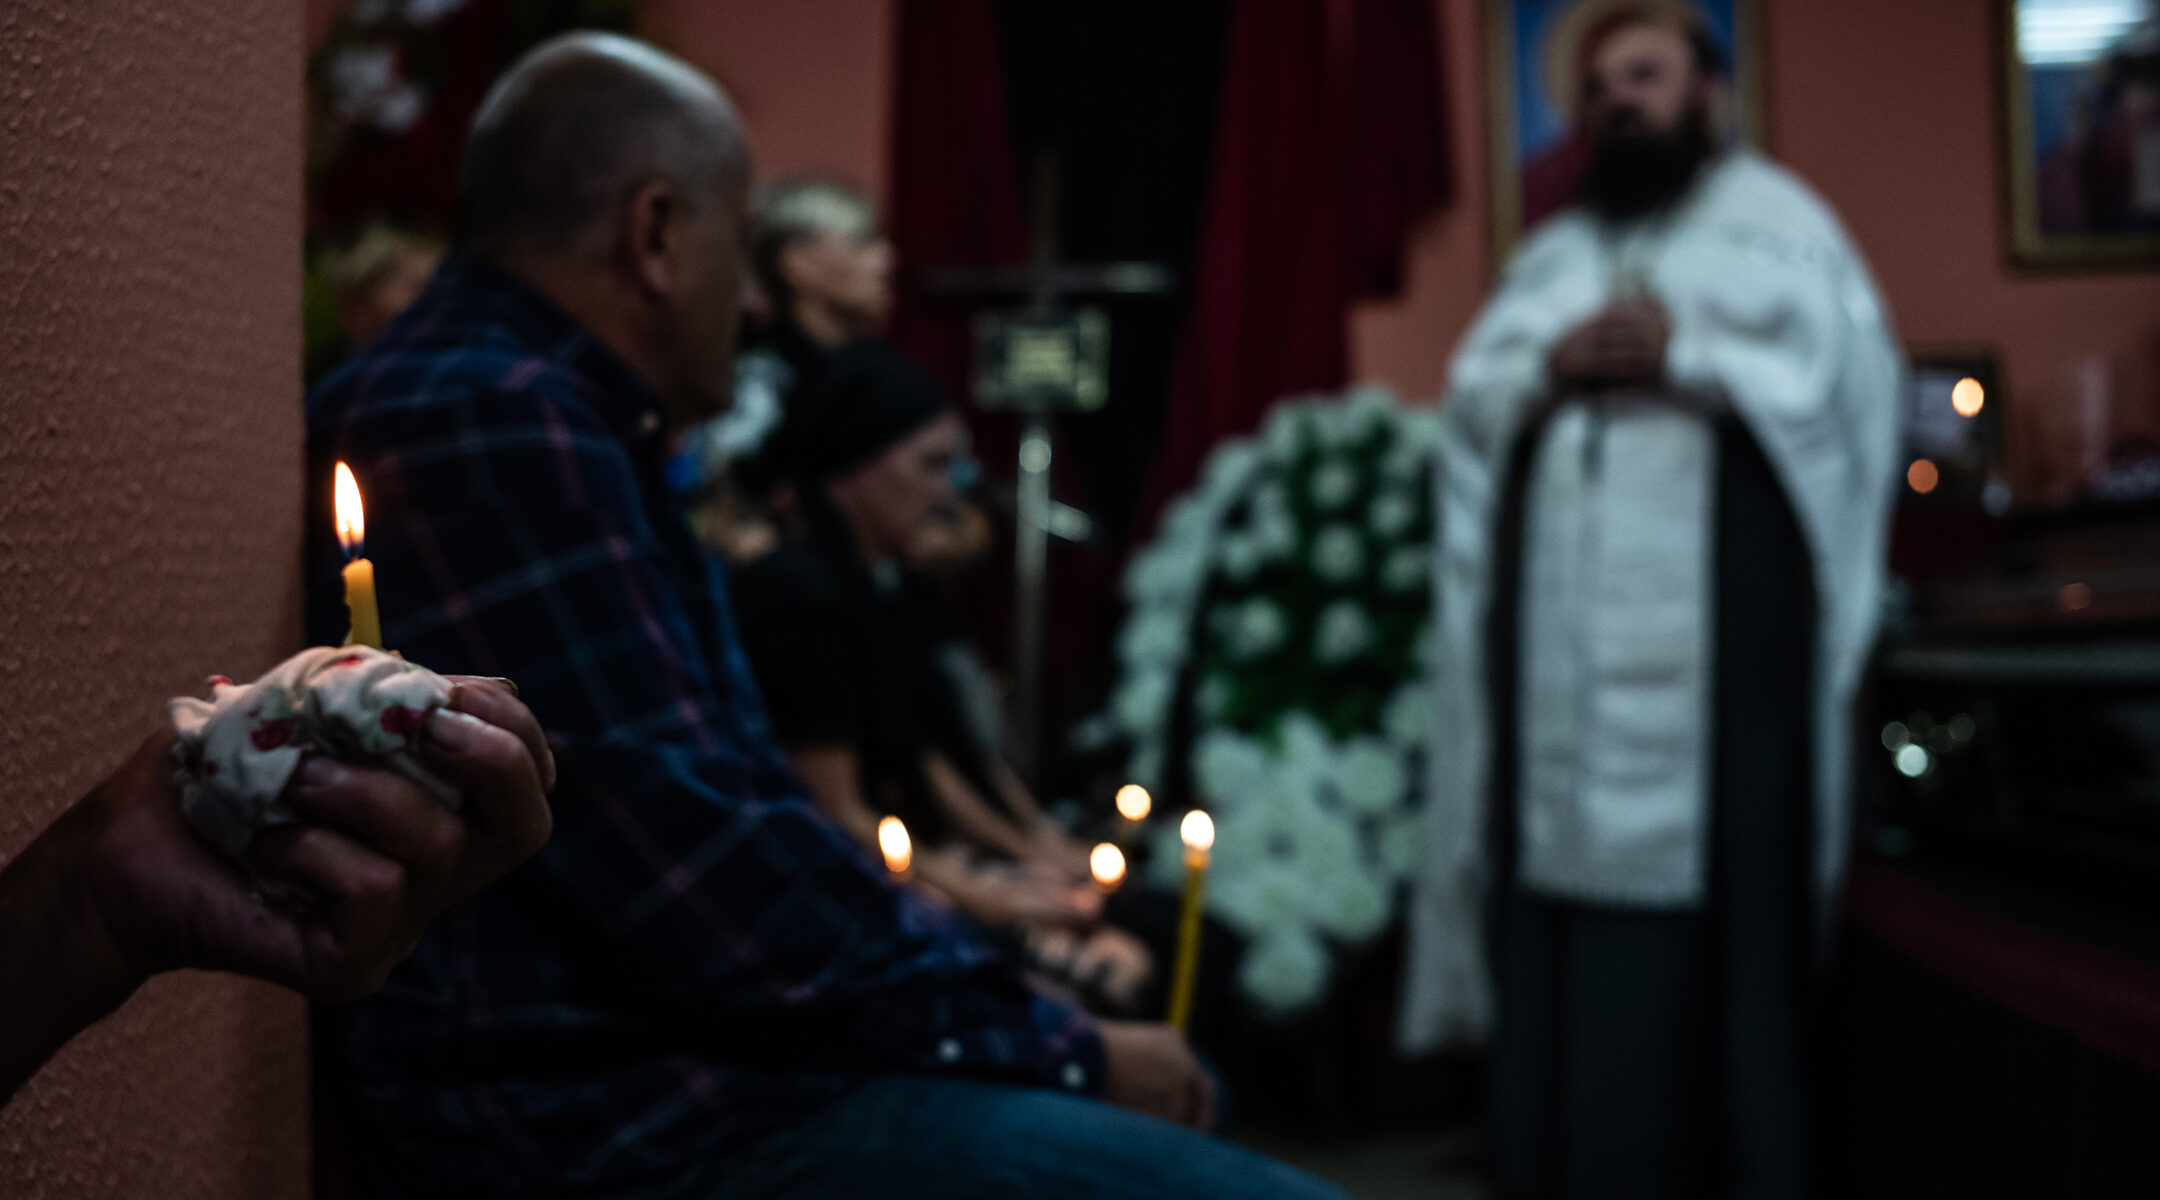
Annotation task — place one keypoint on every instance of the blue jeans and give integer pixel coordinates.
(902, 1137)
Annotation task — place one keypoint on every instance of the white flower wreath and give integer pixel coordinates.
(1289, 593)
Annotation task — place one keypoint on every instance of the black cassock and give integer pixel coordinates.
(1654, 1053)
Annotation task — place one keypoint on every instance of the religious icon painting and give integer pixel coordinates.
(1536, 53)
(2081, 92)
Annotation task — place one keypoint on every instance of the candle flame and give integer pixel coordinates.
(892, 838)
(1198, 830)
(1133, 802)
(1107, 863)
(351, 520)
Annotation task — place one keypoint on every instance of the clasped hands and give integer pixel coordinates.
(1621, 345)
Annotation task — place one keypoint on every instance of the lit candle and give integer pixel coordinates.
(1107, 863)
(359, 572)
(1133, 803)
(892, 838)
(1198, 831)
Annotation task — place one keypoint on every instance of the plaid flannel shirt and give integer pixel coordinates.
(699, 956)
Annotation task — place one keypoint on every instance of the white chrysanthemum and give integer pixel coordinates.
(1154, 637)
(1370, 775)
(1166, 857)
(1286, 429)
(1304, 754)
(1258, 628)
(1400, 841)
(1146, 763)
(1408, 716)
(1392, 513)
(1324, 845)
(1332, 484)
(1164, 575)
(1241, 555)
(1277, 533)
(1228, 766)
(1407, 569)
(1211, 699)
(1349, 904)
(1256, 895)
(1142, 702)
(1343, 632)
(1286, 971)
(1230, 468)
(1338, 554)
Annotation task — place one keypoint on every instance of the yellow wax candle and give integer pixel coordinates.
(359, 572)
(360, 602)
(1198, 832)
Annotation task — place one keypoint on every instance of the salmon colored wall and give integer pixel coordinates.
(149, 524)
(813, 77)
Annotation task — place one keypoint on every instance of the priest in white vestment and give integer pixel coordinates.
(1669, 455)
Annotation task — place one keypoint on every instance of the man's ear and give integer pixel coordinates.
(650, 227)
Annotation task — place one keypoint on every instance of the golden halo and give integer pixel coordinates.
(1564, 37)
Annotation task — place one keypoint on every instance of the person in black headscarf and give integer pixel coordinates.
(847, 641)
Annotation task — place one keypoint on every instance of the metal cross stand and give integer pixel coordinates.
(1037, 360)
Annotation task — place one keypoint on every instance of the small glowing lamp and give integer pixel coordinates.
(1198, 833)
(892, 838)
(1968, 397)
(1107, 863)
(1922, 476)
(1134, 803)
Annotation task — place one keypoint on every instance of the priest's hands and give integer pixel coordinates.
(1622, 345)
(119, 889)
(1150, 1068)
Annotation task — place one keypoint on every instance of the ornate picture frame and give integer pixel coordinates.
(1530, 49)
(2080, 88)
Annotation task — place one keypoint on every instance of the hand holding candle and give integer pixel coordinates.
(1198, 832)
(359, 572)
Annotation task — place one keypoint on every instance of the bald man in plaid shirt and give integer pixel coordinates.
(702, 987)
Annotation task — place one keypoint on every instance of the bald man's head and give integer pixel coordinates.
(614, 179)
(574, 126)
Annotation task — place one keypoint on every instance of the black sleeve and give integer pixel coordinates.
(802, 647)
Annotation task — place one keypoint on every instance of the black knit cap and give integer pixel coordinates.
(864, 400)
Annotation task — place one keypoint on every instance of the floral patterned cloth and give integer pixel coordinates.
(239, 748)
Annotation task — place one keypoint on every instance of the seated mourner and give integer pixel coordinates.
(702, 987)
(849, 647)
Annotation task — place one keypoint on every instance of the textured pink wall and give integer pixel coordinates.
(813, 77)
(149, 518)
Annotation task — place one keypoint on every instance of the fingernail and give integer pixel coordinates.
(509, 684)
(320, 774)
(453, 731)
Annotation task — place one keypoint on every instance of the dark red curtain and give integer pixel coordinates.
(954, 195)
(1328, 150)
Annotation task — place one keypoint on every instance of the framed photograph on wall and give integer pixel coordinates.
(2081, 88)
(1534, 49)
